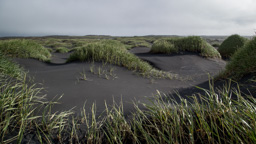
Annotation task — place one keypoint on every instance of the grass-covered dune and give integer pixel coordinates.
(114, 52)
(243, 62)
(230, 45)
(23, 48)
(191, 44)
(212, 117)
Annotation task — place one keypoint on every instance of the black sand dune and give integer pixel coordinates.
(59, 78)
(184, 64)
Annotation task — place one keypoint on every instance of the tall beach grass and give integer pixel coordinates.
(23, 109)
(222, 115)
(219, 115)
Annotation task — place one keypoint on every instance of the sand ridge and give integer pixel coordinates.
(59, 78)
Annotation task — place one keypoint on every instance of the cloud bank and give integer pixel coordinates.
(122, 17)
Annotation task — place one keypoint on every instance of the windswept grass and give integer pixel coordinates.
(243, 62)
(23, 48)
(219, 116)
(223, 115)
(113, 52)
(191, 44)
(230, 45)
(20, 107)
(211, 118)
(8, 68)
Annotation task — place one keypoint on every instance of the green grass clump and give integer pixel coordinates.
(62, 50)
(23, 110)
(24, 49)
(8, 68)
(114, 52)
(191, 44)
(243, 61)
(164, 46)
(230, 45)
(20, 104)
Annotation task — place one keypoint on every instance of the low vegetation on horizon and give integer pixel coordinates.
(223, 115)
(132, 42)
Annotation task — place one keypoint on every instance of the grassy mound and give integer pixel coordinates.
(192, 44)
(24, 49)
(231, 45)
(166, 46)
(114, 52)
(243, 62)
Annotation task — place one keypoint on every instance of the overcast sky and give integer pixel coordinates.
(127, 17)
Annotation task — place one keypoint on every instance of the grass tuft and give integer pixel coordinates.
(20, 104)
(8, 68)
(24, 49)
(191, 44)
(230, 45)
(243, 62)
(20, 107)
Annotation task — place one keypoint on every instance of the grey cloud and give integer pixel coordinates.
(121, 17)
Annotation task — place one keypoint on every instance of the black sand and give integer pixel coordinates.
(59, 79)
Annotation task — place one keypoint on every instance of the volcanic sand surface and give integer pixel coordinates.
(59, 78)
